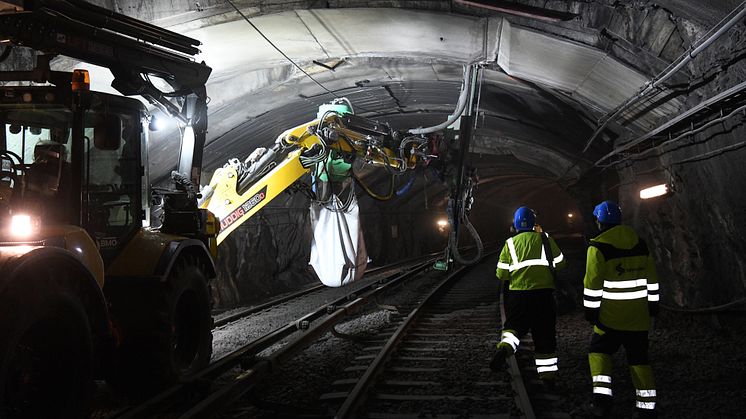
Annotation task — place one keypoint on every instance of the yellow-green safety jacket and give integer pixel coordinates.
(620, 280)
(523, 262)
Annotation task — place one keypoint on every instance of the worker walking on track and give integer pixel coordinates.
(527, 261)
(620, 295)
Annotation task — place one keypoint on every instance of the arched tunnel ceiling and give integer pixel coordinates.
(543, 87)
(537, 97)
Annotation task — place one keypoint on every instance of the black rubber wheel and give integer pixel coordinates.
(46, 361)
(166, 331)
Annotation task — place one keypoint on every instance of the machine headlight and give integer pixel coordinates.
(22, 226)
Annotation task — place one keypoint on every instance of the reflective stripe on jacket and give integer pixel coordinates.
(620, 280)
(523, 262)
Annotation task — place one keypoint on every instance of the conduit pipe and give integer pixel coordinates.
(656, 81)
(735, 90)
(460, 106)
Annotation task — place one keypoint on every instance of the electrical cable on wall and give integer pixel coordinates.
(705, 310)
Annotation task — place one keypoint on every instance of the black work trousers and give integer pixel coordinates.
(608, 342)
(533, 311)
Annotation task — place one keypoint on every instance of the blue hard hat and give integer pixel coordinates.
(524, 219)
(608, 212)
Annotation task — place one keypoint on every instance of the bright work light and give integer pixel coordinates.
(442, 223)
(21, 226)
(157, 123)
(652, 192)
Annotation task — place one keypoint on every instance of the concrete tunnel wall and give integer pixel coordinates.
(695, 233)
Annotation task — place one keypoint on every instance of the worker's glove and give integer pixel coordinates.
(591, 314)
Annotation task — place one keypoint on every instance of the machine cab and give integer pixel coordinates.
(73, 158)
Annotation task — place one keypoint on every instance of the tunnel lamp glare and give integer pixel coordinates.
(21, 226)
(569, 215)
(654, 191)
(442, 223)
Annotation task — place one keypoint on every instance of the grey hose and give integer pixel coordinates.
(454, 246)
(460, 106)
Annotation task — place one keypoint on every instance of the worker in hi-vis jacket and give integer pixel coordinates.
(620, 295)
(527, 261)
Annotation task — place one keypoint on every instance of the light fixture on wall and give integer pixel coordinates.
(655, 191)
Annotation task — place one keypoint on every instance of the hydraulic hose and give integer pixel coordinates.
(462, 218)
(453, 245)
(373, 194)
(460, 106)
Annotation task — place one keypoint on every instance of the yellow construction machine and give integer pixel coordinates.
(90, 286)
(324, 147)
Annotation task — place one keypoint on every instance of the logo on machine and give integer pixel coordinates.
(108, 243)
(244, 208)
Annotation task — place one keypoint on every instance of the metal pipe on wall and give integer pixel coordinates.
(656, 81)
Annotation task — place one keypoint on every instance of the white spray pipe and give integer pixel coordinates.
(460, 106)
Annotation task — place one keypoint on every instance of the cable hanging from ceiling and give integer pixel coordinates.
(278, 49)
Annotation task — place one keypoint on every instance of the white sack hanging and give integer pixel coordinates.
(338, 249)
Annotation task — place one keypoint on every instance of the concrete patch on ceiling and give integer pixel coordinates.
(590, 75)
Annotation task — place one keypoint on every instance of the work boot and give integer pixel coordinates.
(600, 406)
(498, 359)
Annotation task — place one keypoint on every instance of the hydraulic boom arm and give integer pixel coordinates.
(238, 190)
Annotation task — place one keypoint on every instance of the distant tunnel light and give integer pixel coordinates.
(652, 192)
(570, 215)
(442, 223)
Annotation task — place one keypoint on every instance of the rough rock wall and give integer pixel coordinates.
(269, 254)
(696, 230)
(265, 256)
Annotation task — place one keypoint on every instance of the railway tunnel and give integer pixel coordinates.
(552, 73)
(575, 103)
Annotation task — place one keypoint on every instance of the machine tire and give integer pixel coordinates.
(167, 336)
(46, 359)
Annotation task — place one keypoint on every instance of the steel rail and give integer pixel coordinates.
(358, 394)
(222, 321)
(245, 356)
(522, 398)
(246, 381)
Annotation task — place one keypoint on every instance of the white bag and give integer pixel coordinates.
(338, 249)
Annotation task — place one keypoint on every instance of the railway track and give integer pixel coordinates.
(430, 361)
(220, 383)
(434, 361)
(222, 320)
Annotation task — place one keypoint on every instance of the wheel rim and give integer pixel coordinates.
(188, 324)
